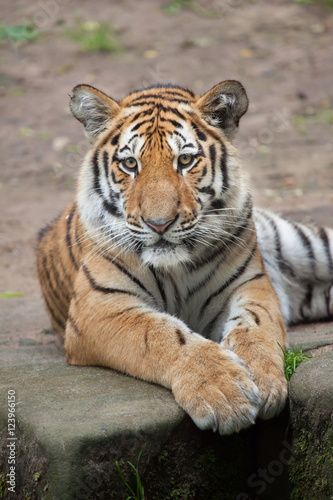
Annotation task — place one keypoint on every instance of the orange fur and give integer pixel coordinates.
(109, 305)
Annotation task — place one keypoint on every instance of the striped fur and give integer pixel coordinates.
(160, 266)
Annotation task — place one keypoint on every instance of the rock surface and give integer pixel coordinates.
(311, 395)
(73, 423)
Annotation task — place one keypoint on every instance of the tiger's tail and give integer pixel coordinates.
(299, 262)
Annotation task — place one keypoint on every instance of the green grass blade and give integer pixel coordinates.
(122, 477)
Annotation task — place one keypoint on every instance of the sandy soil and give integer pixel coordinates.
(281, 51)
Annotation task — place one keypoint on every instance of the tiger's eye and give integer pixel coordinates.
(131, 163)
(185, 160)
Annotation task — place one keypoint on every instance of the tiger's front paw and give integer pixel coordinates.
(215, 389)
(273, 391)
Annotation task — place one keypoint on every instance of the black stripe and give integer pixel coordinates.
(100, 288)
(124, 148)
(217, 204)
(174, 123)
(44, 231)
(114, 180)
(203, 173)
(225, 177)
(130, 275)
(235, 318)
(159, 286)
(307, 301)
(254, 278)
(54, 315)
(229, 281)
(109, 204)
(115, 139)
(178, 299)
(207, 190)
(254, 315)
(167, 109)
(243, 223)
(97, 186)
(66, 277)
(58, 280)
(181, 338)
(212, 156)
(284, 266)
(306, 242)
(144, 97)
(68, 237)
(140, 113)
(262, 307)
(324, 238)
(112, 208)
(125, 311)
(217, 253)
(179, 135)
(110, 134)
(180, 94)
(200, 134)
(106, 163)
(147, 112)
(175, 111)
(328, 301)
(132, 138)
(115, 158)
(212, 323)
(51, 290)
(47, 229)
(167, 87)
(74, 326)
(77, 239)
(138, 125)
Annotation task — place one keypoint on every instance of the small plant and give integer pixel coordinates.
(139, 495)
(18, 32)
(95, 37)
(37, 476)
(27, 495)
(3, 485)
(292, 358)
(324, 3)
(176, 6)
(10, 295)
(301, 122)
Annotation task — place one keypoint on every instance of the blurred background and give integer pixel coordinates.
(282, 52)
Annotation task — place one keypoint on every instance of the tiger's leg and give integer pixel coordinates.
(255, 332)
(117, 329)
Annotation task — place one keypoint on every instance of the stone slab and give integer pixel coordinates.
(68, 409)
(73, 423)
(311, 336)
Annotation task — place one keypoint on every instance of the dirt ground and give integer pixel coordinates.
(281, 51)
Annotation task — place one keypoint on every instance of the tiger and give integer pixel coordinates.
(162, 269)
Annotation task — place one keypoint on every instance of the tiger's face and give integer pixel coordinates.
(162, 178)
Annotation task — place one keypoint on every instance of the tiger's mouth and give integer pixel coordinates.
(165, 254)
(163, 244)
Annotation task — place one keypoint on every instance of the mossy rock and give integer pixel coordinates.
(311, 394)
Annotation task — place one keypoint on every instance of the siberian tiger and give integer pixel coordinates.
(161, 269)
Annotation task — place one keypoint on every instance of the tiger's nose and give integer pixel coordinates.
(159, 226)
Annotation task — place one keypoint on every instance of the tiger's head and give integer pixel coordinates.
(162, 177)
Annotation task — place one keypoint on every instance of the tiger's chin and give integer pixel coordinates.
(165, 256)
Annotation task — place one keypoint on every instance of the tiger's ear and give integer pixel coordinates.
(93, 108)
(224, 105)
